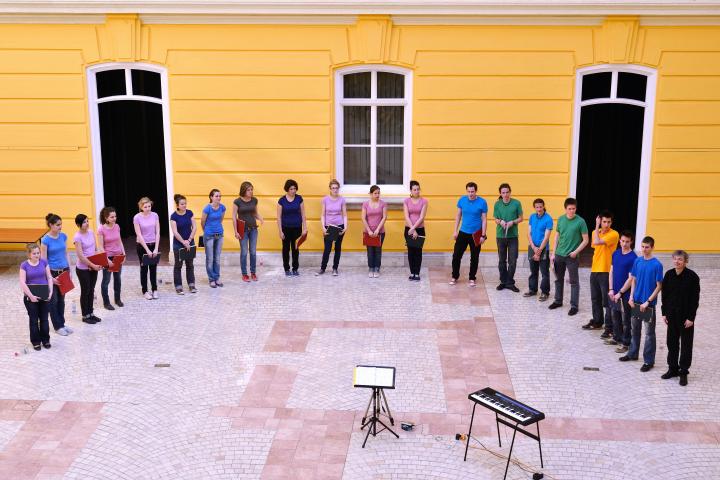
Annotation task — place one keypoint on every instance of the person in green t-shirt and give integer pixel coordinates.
(570, 239)
(508, 213)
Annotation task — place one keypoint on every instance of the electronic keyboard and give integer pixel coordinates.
(506, 406)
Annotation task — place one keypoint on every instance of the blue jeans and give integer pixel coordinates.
(213, 247)
(374, 255)
(621, 323)
(248, 240)
(649, 347)
(540, 267)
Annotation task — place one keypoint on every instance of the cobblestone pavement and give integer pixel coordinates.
(254, 380)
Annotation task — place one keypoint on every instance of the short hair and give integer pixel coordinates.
(628, 234)
(649, 240)
(607, 214)
(243, 188)
(143, 201)
(80, 219)
(374, 188)
(333, 182)
(471, 185)
(105, 213)
(29, 247)
(289, 183)
(569, 201)
(178, 198)
(51, 219)
(681, 253)
(414, 183)
(540, 201)
(214, 191)
(504, 185)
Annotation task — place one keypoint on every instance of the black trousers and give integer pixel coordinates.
(177, 270)
(338, 251)
(38, 316)
(57, 303)
(289, 243)
(679, 344)
(415, 254)
(463, 241)
(145, 268)
(105, 283)
(88, 279)
(599, 299)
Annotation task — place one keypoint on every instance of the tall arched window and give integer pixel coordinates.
(373, 128)
(612, 142)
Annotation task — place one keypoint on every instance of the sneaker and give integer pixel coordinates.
(219, 283)
(288, 273)
(62, 331)
(245, 278)
(179, 291)
(606, 334)
(214, 285)
(320, 272)
(622, 349)
(452, 281)
(572, 311)
(500, 287)
(376, 274)
(513, 288)
(335, 272)
(411, 277)
(147, 295)
(471, 283)
(46, 345)
(543, 297)
(155, 295)
(417, 278)
(253, 277)
(36, 347)
(295, 273)
(610, 342)
(669, 374)
(683, 380)
(554, 305)
(119, 303)
(529, 294)
(89, 320)
(589, 326)
(646, 367)
(69, 330)
(108, 306)
(627, 359)
(371, 274)
(193, 289)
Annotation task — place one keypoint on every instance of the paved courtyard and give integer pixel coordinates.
(255, 381)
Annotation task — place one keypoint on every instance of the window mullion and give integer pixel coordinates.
(128, 82)
(613, 84)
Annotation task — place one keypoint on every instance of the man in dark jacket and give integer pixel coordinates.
(680, 299)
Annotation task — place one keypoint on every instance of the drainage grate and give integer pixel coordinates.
(589, 369)
(162, 365)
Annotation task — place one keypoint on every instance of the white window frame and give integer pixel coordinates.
(373, 102)
(94, 101)
(648, 128)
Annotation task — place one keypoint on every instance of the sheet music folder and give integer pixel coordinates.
(645, 316)
(42, 291)
(187, 253)
(373, 376)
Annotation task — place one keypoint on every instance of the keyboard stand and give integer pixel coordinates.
(516, 428)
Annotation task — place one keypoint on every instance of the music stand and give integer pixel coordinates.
(378, 379)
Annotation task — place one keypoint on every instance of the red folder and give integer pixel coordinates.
(477, 237)
(302, 239)
(369, 241)
(240, 224)
(99, 259)
(117, 260)
(66, 283)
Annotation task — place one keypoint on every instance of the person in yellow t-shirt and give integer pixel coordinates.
(604, 241)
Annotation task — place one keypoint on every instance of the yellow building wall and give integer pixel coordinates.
(491, 104)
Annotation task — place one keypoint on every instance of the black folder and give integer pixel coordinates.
(188, 253)
(42, 291)
(148, 260)
(333, 232)
(414, 242)
(645, 316)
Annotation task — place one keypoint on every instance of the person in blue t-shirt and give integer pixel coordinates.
(541, 224)
(646, 282)
(211, 221)
(183, 226)
(623, 260)
(471, 218)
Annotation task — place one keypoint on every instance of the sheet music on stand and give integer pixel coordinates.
(372, 376)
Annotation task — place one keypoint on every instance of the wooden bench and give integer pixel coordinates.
(21, 235)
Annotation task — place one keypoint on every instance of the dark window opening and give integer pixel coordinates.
(390, 85)
(110, 82)
(357, 85)
(596, 85)
(632, 86)
(146, 83)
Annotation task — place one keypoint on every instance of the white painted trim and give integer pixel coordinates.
(685, 21)
(96, 150)
(406, 102)
(354, 7)
(53, 18)
(648, 128)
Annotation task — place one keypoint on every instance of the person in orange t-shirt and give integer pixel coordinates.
(604, 242)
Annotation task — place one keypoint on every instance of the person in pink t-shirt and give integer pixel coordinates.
(415, 209)
(374, 215)
(110, 242)
(86, 270)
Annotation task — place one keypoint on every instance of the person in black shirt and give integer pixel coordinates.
(680, 299)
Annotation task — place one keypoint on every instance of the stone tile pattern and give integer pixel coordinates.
(259, 384)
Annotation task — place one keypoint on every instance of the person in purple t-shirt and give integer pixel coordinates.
(333, 215)
(374, 215)
(35, 271)
(147, 231)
